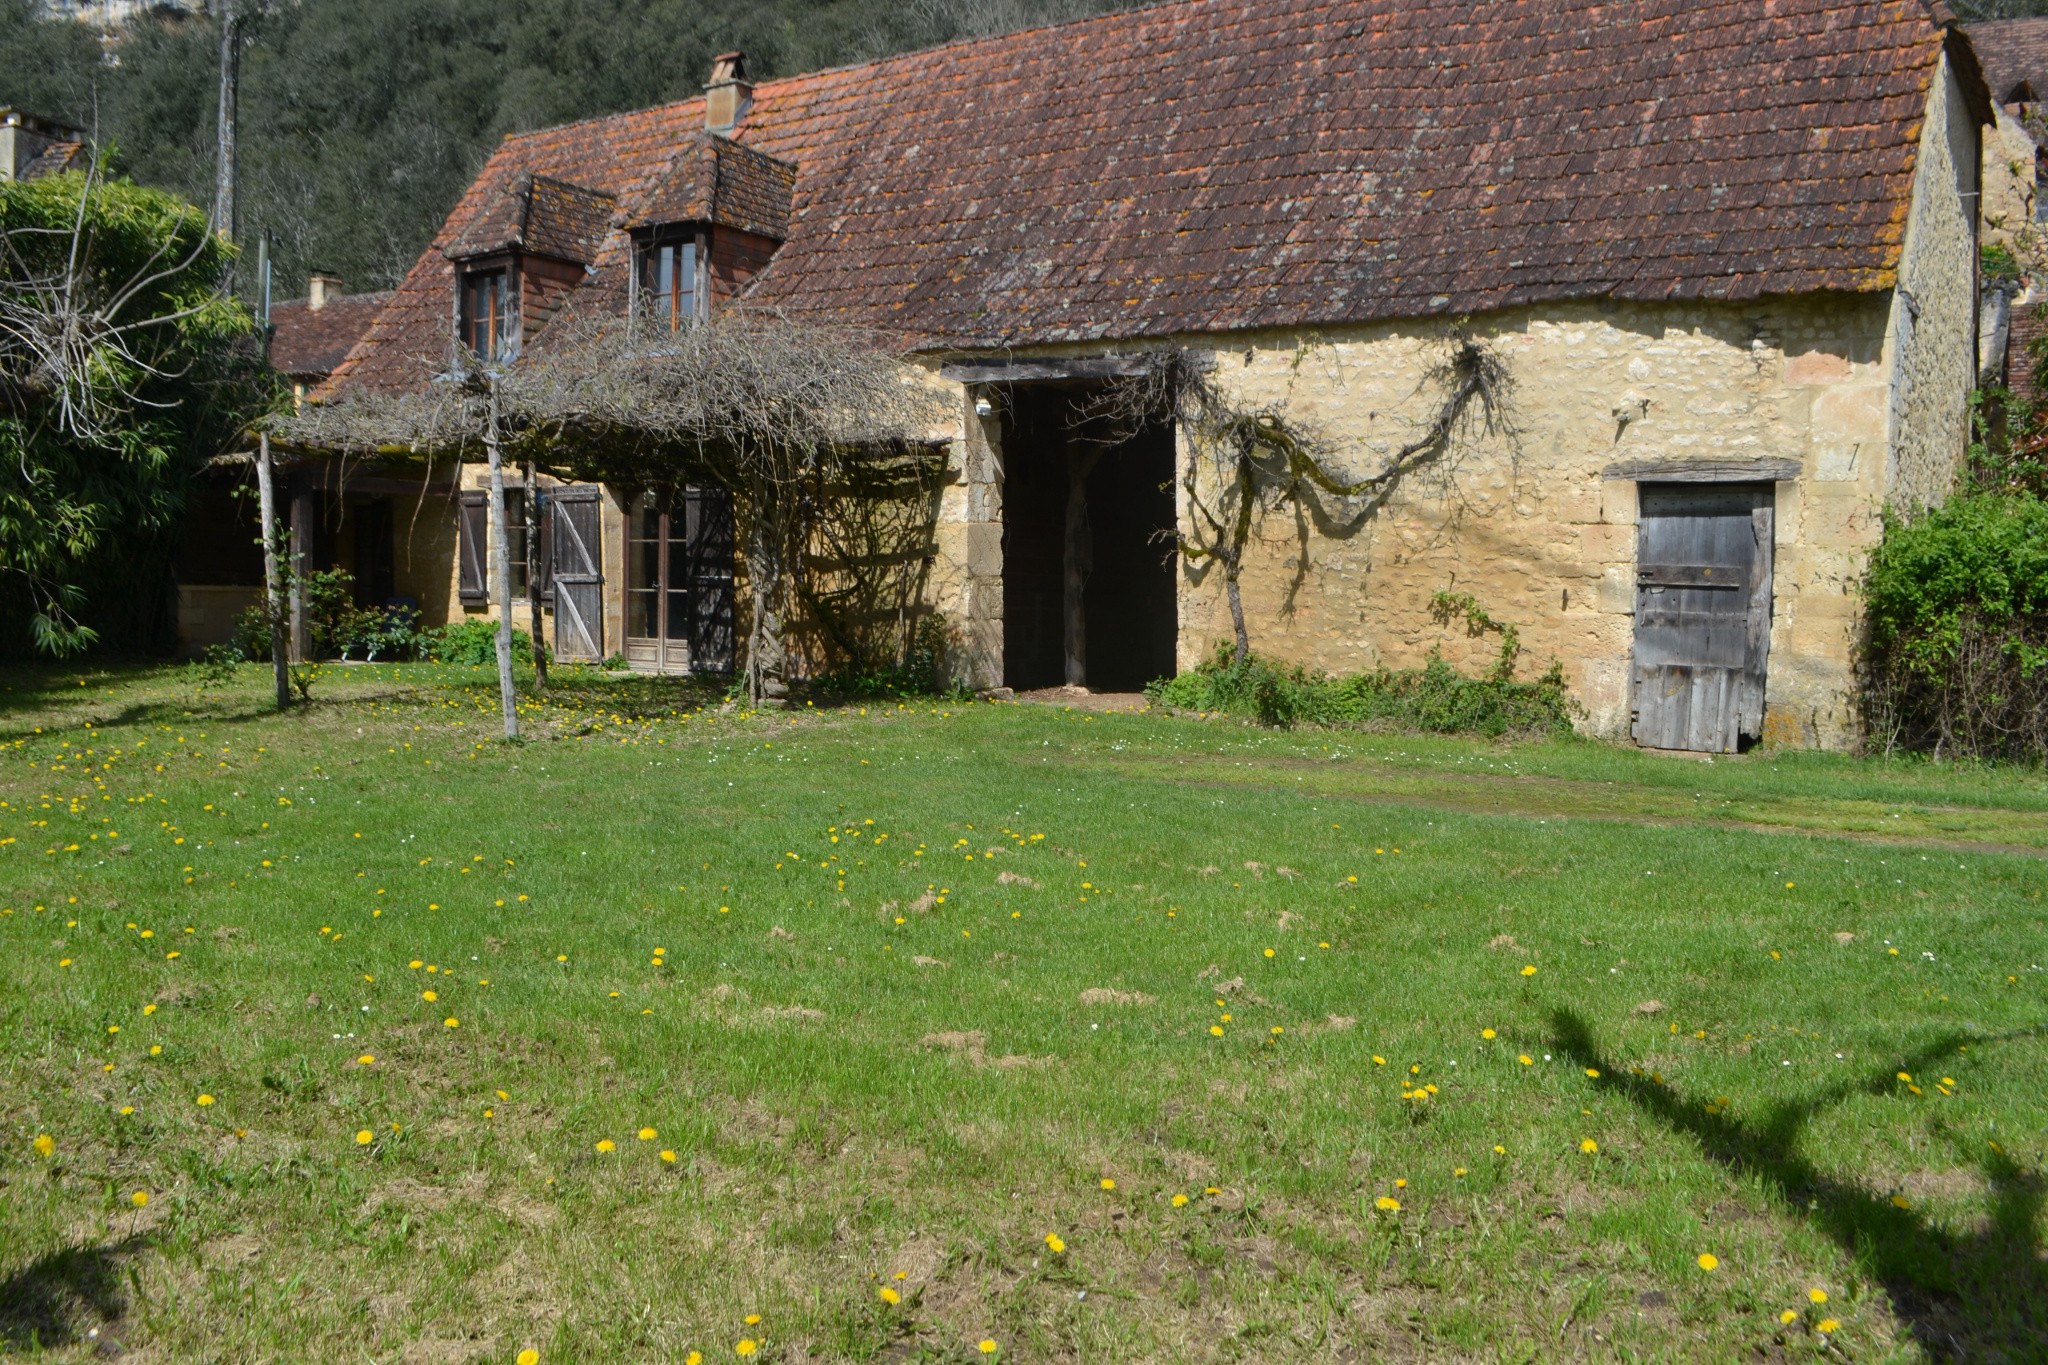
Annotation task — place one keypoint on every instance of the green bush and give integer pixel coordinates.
(472, 642)
(1436, 698)
(1957, 654)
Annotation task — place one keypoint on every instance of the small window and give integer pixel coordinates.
(487, 312)
(668, 281)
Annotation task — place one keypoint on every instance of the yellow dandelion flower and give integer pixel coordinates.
(746, 1346)
(607, 1145)
(1829, 1325)
(1588, 1146)
(139, 1198)
(668, 1156)
(1387, 1204)
(364, 1137)
(45, 1144)
(1709, 1261)
(1108, 1184)
(1054, 1244)
(752, 1319)
(1900, 1201)
(365, 1060)
(888, 1296)
(452, 1022)
(1788, 1317)
(1499, 1150)
(1487, 1034)
(205, 1100)
(1526, 1060)
(1816, 1296)
(430, 996)
(647, 1135)
(529, 1356)
(987, 1346)
(1529, 970)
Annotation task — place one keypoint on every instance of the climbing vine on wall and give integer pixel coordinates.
(1246, 460)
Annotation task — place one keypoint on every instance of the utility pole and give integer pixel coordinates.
(230, 91)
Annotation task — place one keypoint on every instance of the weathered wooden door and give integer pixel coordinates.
(708, 546)
(1703, 614)
(577, 572)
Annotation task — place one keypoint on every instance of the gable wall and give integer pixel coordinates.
(1932, 347)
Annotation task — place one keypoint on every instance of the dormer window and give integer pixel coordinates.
(668, 280)
(487, 312)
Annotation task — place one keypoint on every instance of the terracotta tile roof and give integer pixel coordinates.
(2015, 57)
(541, 214)
(308, 342)
(55, 159)
(1213, 165)
(713, 179)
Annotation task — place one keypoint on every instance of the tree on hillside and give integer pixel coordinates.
(123, 367)
(363, 120)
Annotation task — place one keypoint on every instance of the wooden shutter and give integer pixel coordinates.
(473, 536)
(577, 573)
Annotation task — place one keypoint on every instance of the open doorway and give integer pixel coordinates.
(1088, 558)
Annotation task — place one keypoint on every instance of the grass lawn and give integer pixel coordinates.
(915, 1033)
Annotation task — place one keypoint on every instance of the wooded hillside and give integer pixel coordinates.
(363, 120)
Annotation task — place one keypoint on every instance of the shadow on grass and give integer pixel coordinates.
(54, 1300)
(1979, 1296)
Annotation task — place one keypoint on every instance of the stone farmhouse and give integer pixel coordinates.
(1725, 250)
(2014, 55)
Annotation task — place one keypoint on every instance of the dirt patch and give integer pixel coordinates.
(1103, 995)
(804, 1012)
(239, 1249)
(923, 961)
(778, 932)
(1650, 1007)
(1015, 879)
(973, 1045)
(1502, 941)
(924, 903)
(1081, 699)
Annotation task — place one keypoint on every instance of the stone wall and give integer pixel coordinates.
(1933, 338)
(1530, 523)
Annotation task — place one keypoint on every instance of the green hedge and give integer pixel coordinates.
(1436, 698)
(1957, 657)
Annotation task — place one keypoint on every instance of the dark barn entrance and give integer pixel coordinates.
(1088, 554)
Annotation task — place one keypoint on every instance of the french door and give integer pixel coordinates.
(679, 583)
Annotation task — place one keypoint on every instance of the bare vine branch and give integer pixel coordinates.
(1244, 461)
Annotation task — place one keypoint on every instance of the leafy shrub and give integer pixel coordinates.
(473, 641)
(1435, 698)
(1957, 654)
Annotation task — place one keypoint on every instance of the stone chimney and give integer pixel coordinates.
(321, 286)
(729, 94)
(24, 136)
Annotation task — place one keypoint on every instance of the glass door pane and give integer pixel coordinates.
(644, 570)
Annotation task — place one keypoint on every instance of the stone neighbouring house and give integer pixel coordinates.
(2014, 55)
(1728, 252)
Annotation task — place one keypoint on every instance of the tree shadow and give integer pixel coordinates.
(53, 1300)
(1976, 1296)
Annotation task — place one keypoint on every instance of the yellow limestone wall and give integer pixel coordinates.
(1527, 523)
